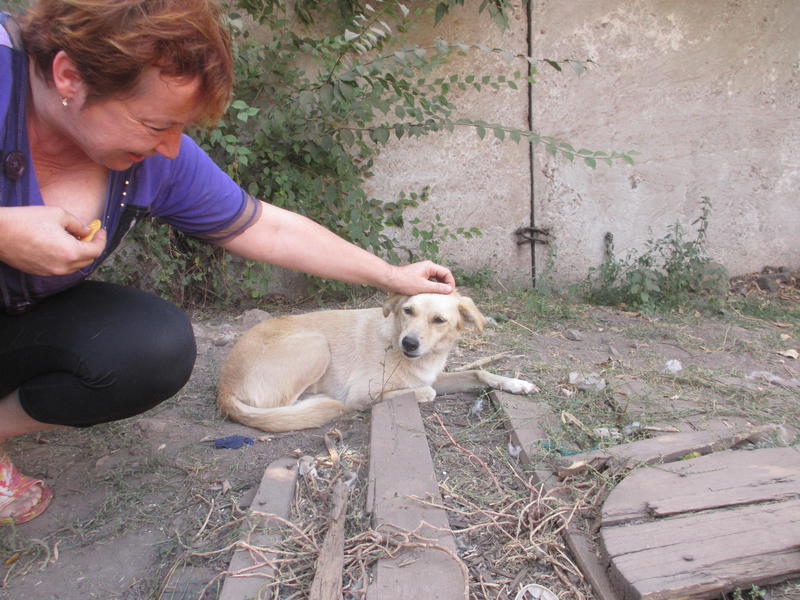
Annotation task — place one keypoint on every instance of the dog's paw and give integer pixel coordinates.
(519, 386)
(425, 394)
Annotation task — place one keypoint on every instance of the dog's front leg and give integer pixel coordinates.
(465, 381)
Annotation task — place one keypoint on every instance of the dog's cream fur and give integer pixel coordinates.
(303, 370)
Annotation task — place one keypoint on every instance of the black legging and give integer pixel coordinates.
(97, 352)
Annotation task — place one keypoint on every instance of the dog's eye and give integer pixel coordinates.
(439, 320)
(408, 310)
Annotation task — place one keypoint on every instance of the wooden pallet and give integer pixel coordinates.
(703, 527)
(687, 529)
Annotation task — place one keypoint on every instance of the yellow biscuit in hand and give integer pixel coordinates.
(94, 227)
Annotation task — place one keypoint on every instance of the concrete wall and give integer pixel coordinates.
(708, 92)
(473, 182)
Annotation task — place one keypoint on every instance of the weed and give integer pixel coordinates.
(672, 273)
(767, 309)
(754, 593)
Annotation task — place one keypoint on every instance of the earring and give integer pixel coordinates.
(64, 102)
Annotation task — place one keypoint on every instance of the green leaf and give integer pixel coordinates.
(441, 11)
(553, 64)
(380, 135)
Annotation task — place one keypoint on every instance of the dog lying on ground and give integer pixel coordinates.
(302, 371)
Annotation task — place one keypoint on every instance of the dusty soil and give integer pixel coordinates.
(146, 508)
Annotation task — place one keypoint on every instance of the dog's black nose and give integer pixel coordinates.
(410, 344)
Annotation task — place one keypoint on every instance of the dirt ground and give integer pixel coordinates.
(147, 505)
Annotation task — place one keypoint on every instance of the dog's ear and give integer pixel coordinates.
(392, 303)
(470, 314)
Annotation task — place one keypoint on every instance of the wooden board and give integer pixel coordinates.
(188, 583)
(401, 467)
(721, 479)
(705, 526)
(527, 419)
(247, 573)
(671, 447)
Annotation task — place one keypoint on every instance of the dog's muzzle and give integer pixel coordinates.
(410, 346)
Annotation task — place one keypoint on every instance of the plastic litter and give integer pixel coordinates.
(534, 591)
(233, 442)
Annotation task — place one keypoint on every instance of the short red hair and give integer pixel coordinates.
(112, 41)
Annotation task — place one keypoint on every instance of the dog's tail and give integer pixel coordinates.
(313, 411)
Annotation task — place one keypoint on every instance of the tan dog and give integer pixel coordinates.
(303, 370)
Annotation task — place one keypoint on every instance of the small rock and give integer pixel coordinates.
(102, 462)
(632, 428)
(514, 450)
(476, 407)
(768, 284)
(587, 383)
(574, 335)
(151, 425)
(786, 434)
(307, 467)
(607, 433)
(673, 366)
(254, 316)
(775, 379)
(224, 339)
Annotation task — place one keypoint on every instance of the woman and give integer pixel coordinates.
(94, 98)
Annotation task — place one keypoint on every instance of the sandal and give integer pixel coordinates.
(13, 486)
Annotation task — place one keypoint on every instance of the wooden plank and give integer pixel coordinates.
(668, 448)
(400, 467)
(327, 584)
(248, 573)
(707, 554)
(526, 419)
(721, 479)
(188, 583)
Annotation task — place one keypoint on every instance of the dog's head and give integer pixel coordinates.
(431, 323)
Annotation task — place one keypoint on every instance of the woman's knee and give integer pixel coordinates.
(170, 355)
(124, 352)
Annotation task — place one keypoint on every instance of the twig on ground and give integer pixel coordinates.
(481, 362)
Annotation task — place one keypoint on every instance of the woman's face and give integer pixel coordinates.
(119, 132)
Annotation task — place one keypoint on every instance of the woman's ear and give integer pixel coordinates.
(67, 80)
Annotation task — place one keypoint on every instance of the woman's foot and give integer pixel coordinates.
(22, 498)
